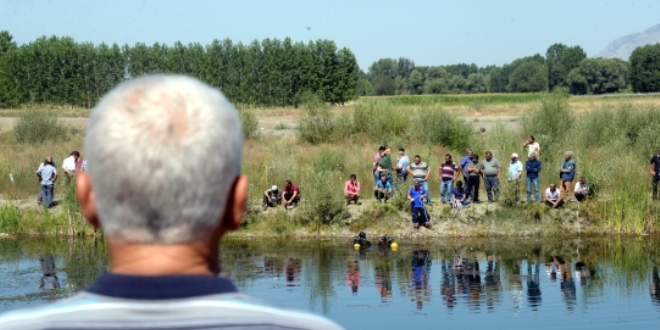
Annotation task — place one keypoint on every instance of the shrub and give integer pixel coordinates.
(37, 126)
(250, 124)
(322, 204)
(550, 122)
(437, 126)
(10, 217)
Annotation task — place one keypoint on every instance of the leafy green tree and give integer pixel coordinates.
(436, 72)
(645, 69)
(597, 76)
(476, 83)
(435, 86)
(416, 83)
(528, 77)
(384, 85)
(364, 87)
(457, 84)
(560, 60)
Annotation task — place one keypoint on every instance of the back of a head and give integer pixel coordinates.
(163, 153)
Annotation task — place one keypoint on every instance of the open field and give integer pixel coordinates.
(607, 134)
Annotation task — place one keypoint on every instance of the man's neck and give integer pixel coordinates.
(163, 260)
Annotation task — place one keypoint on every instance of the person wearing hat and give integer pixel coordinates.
(352, 190)
(272, 197)
(515, 173)
(416, 194)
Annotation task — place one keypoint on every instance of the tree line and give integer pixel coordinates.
(562, 67)
(59, 70)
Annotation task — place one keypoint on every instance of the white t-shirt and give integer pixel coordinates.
(69, 164)
(533, 148)
(578, 187)
(552, 196)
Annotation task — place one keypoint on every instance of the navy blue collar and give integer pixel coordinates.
(160, 287)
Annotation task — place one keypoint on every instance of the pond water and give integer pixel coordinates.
(609, 283)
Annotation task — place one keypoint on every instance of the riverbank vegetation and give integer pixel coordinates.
(612, 140)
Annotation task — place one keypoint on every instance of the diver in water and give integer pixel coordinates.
(361, 240)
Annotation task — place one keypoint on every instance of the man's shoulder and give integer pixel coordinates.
(93, 311)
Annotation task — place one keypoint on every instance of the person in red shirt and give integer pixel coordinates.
(352, 191)
(291, 195)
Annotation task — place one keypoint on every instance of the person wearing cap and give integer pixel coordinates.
(402, 165)
(491, 169)
(533, 167)
(515, 173)
(532, 147)
(352, 190)
(272, 197)
(416, 194)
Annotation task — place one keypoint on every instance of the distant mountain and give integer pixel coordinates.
(622, 47)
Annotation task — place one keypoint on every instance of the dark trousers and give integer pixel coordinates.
(656, 179)
(473, 187)
(380, 195)
(402, 176)
(287, 196)
(492, 187)
(580, 197)
(419, 215)
(47, 195)
(273, 201)
(561, 203)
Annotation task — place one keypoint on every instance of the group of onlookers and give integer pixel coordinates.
(47, 175)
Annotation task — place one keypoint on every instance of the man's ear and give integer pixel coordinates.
(86, 199)
(236, 201)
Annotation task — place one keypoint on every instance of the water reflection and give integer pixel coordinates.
(49, 280)
(550, 282)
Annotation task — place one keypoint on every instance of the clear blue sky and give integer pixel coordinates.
(428, 32)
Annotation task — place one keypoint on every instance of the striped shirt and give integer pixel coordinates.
(448, 170)
(419, 171)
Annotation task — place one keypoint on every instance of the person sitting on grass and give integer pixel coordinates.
(581, 189)
(459, 196)
(291, 195)
(272, 197)
(383, 188)
(553, 197)
(416, 195)
(352, 190)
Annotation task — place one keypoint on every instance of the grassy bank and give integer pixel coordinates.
(612, 139)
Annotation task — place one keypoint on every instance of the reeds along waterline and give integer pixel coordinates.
(612, 142)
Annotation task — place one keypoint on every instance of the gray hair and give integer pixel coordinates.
(570, 153)
(163, 152)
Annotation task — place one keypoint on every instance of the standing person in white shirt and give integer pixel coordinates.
(402, 165)
(69, 165)
(515, 173)
(532, 147)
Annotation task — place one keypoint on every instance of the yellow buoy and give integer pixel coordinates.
(356, 245)
(394, 246)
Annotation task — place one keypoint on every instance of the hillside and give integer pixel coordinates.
(622, 47)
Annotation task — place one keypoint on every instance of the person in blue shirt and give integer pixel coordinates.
(459, 196)
(533, 167)
(383, 188)
(416, 195)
